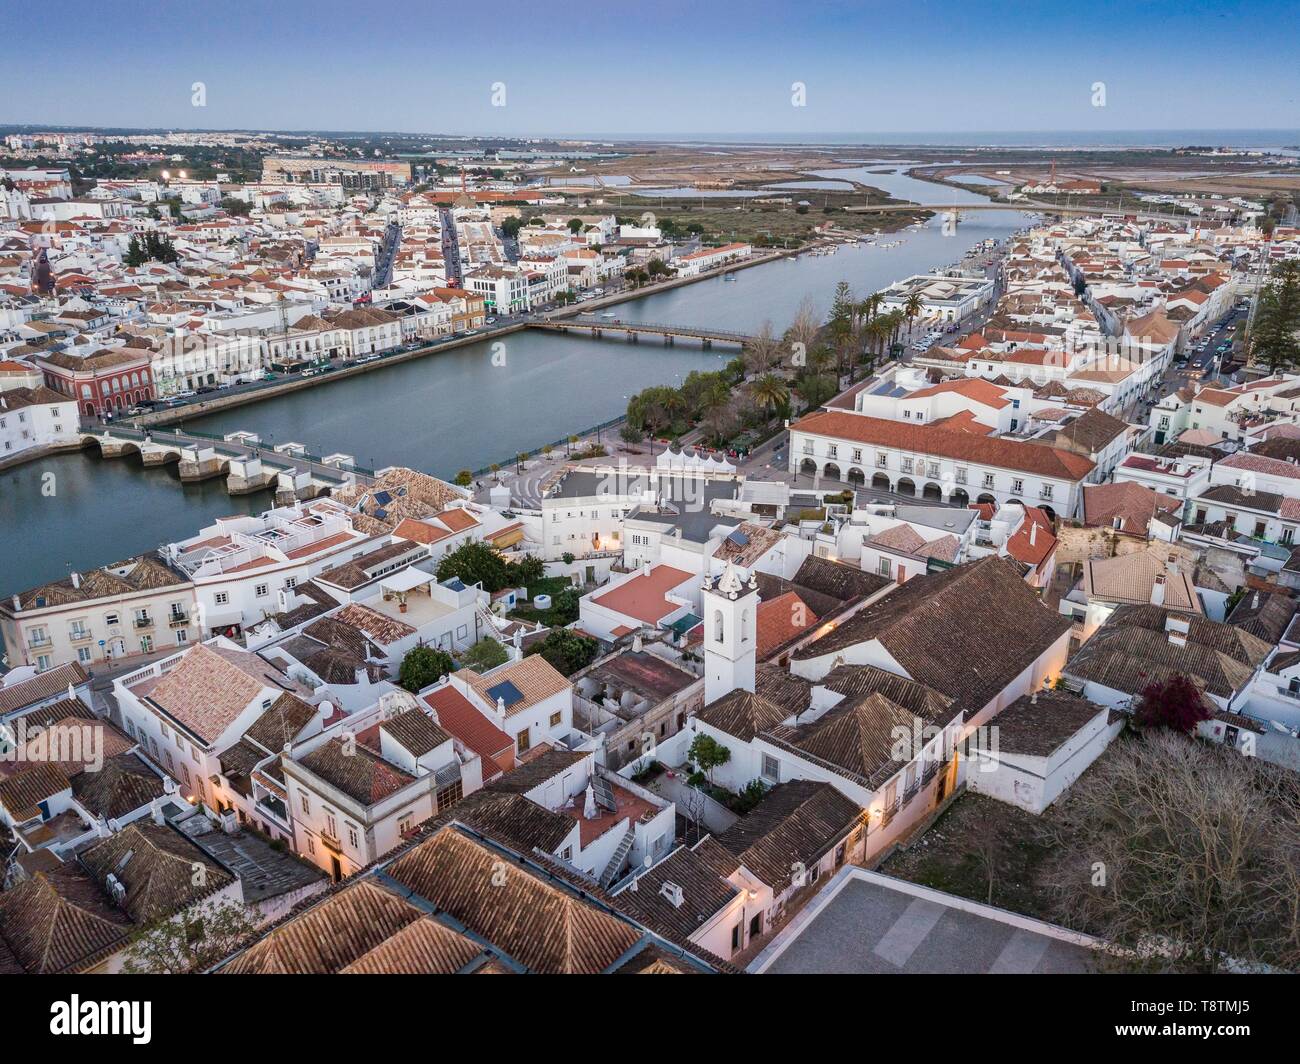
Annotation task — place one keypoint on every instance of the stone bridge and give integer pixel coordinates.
(240, 457)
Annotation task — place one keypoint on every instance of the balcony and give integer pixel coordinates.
(178, 620)
(36, 642)
(143, 622)
(330, 842)
(79, 635)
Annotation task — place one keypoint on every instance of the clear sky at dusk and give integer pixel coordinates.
(663, 66)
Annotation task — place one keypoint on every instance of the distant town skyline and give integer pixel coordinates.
(674, 69)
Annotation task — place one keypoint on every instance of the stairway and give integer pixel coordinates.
(616, 862)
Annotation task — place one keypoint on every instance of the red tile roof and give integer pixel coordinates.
(945, 443)
(642, 597)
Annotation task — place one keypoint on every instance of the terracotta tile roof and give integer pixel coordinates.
(967, 632)
(123, 785)
(60, 921)
(415, 731)
(159, 868)
(329, 936)
(781, 620)
(361, 774)
(981, 391)
(534, 677)
(1038, 725)
(642, 596)
(1132, 503)
(382, 629)
(998, 452)
(458, 716)
(543, 927)
(212, 686)
(513, 820)
(704, 894)
(21, 791)
(743, 714)
(1133, 649)
(423, 947)
(795, 824)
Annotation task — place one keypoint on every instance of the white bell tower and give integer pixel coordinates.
(730, 633)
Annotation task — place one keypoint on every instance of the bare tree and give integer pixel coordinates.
(803, 330)
(762, 351)
(1184, 855)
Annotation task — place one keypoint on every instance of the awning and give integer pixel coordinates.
(405, 580)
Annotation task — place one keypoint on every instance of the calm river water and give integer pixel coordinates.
(461, 408)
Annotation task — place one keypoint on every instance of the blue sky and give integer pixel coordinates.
(660, 66)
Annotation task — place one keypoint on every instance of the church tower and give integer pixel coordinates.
(730, 633)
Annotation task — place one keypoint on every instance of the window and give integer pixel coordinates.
(857, 454)
(261, 590)
(146, 644)
(882, 461)
(1046, 493)
(932, 469)
(352, 837)
(306, 804)
(221, 598)
(555, 719)
(960, 475)
(883, 567)
(907, 465)
(988, 480)
(1017, 486)
(110, 619)
(84, 655)
(771, 768)
(522, 742)
(42, 662)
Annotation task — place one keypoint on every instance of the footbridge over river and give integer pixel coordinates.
(634, 330)
(247, 465)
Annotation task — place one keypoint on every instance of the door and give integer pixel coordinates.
(756, 926)
(336, 869)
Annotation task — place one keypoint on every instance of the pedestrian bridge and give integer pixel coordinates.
(1027, 206)
(633, 330)
(240, 457)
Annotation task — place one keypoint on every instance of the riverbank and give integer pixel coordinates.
(221, 403)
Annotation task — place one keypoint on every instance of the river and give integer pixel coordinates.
(462, 408)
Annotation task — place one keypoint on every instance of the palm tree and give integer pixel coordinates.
(912, 309)
(769, 391)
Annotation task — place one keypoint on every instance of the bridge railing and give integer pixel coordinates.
(647, 326)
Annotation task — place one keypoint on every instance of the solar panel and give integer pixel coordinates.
(738, 538)
(603, 793)
(507, 692)
(381, 514)
(383, 497)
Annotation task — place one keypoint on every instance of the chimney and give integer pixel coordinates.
(18, 605)
(155, 809)
(501, 708)
(636, 643)
(1033, 532)
(673, 893)
(1158, 591)
(645, 568)
(76, 579)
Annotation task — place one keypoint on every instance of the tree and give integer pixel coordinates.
(769, 392)
(706, 754)
(566, 650)
(629, 433)
(762, 351)
(486, 654)
(528, 570)
(423, 666)
(476, 563)
(1183, 854)
(192, 941)
(575, 225)
(1275, 332)
(1175, 703)
(464, 478)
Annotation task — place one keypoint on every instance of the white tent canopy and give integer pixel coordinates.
(405, 580)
